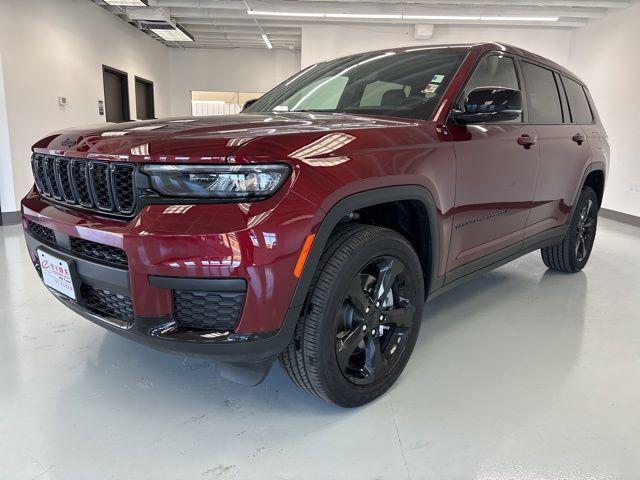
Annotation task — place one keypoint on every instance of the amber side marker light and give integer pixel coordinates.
(303, 255)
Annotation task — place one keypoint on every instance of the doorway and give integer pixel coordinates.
(116, 95)
(145, 109)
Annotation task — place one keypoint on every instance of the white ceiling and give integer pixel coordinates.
(227, 23)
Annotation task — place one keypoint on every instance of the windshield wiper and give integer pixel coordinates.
(310, 110)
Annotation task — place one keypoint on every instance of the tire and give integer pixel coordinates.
(330, 355)
(572, 253)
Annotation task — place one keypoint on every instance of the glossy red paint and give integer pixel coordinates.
(489, 192)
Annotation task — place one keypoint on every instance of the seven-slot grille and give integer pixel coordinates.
(90, 184)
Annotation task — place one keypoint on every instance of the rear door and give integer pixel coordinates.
(495, 178)
(564, 150)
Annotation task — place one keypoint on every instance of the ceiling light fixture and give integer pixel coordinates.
(363, 15)
(284, 14)
(127, 3)
(507, 18)
(172, 34)
(266, 40)
(441, 17)
(471, 18)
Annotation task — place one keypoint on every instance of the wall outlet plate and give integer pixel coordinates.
(635, 186)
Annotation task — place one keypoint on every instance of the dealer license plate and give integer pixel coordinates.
(56, 274)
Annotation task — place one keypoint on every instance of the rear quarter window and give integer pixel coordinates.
(578, 103)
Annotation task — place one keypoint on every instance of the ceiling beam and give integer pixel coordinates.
(255, 4)
(541, 3)
(390, 9)
(562, 23)
(197, 29)
(244, 36)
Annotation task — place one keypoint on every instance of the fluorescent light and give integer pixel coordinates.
(173, 34)
(267, 42)
(285, 14)
(507, 18)
(470, 18)
(440, 17)
(363, 15)
(128, 3)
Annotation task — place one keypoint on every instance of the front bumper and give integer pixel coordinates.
(245, 250)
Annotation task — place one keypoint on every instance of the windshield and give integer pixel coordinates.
(405, 84)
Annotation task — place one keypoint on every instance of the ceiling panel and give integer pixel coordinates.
(241, 24)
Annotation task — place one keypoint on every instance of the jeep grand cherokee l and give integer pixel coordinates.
(314, 225)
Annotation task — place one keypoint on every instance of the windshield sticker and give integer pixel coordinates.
(431, 88)
(281, 108)
(437, 79)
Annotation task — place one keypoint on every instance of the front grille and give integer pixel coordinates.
(107, 303)
(91, 184)
(207, 310)
(98, 251)
(41, 233)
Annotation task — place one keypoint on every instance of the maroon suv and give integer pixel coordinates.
(314, 225)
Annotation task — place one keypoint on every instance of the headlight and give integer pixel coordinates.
(217, 181)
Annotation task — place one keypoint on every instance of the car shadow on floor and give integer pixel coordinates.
(119, 370)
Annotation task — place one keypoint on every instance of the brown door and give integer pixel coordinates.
(144, 99)
(116, 95)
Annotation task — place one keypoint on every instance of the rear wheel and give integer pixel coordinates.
(572, 254)
(362, 317)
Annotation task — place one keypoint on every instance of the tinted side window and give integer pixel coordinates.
(544, 105)
(580, 111)
(493, 71)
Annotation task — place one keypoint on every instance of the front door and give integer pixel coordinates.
(497, 165)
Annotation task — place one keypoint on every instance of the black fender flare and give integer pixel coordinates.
(358, 201)
(592, 167)
(266, 350)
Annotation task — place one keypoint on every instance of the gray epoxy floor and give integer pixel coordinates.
(520, 374)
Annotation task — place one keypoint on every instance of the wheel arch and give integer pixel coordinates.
(415, 196)
(594, 175)
(595, 180)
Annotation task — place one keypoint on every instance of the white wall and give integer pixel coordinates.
(244, 70)
(322, 42)
(604, 54)
(6, 169)
(51, 48)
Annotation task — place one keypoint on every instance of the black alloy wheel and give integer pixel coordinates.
(376, 320)
(361, 319)
(585, 230)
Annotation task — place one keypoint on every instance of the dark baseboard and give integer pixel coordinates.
(10, 218)
(620, 217)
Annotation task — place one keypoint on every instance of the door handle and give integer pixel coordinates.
(578, 138)
(527, 141)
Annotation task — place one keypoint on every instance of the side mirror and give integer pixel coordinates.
(490, 104)
(248, 103)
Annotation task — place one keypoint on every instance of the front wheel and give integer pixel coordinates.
(362, 317)
(572, 254)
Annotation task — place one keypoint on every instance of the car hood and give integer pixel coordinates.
(192, 139)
